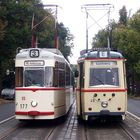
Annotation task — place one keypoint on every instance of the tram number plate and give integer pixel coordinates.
(103, 54)
(34, 53)
(23, 106)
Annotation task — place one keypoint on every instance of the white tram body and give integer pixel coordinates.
(43, 84)
(101, 85)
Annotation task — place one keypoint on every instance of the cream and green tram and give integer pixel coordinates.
(43, 84)
(101, 85)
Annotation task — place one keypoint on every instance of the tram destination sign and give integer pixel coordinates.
(104, 63)
(34, 63)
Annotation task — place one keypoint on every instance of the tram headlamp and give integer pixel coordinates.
(104, 104)
(34, 103)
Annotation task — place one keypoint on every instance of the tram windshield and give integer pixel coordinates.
(34, 76)
(104, 77)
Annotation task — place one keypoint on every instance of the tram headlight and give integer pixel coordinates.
(104, 104)
(34, 103)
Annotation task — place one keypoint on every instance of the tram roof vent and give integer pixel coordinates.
(83, 52)
(56, 51)
(100, 53)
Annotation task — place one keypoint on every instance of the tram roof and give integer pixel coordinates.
(43, 53)
(101, 53)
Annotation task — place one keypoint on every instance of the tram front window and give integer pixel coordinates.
(34, 76)
(104, 77)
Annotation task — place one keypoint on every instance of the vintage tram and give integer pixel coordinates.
(101, 84)
(44, 84)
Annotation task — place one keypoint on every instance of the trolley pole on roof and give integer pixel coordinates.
(56, 30)
(33, 42)
(34, 26)
(89, 7)
(109, 35)
(55, 17)
(86, 31)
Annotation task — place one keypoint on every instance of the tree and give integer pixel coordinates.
(123, 16)
(100, 39)
(65, 40)
(2, 29)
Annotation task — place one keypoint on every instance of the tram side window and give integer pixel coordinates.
(67, 75)
(49, 76)
(59, 75)
(19, 76)
(55, 76)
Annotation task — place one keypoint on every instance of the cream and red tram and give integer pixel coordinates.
(101, 85)
(43, 84)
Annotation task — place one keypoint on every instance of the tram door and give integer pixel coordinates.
(81, 84)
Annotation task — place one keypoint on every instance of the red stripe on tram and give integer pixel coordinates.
(102, 90)
(35, 89)
(34, 113)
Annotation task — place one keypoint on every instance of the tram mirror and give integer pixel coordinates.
(76, 73)
(18, 50)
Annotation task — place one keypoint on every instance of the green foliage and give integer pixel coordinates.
(100, 39)
(123, 16)
(134, 21)
(2, 29)
(65, 40)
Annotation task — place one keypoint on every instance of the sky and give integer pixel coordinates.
(74, 17)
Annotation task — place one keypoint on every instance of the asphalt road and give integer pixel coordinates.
(134, 106)
(8, 109)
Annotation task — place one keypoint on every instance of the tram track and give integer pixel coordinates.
(8, 132)
(8, 126)
(68, 128)
(27, 130)
(37, 130)
(109, 131)
(128, 131)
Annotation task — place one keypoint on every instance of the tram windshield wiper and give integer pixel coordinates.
(99, 80)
